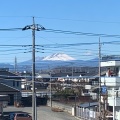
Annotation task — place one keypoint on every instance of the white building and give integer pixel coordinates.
(112, 83)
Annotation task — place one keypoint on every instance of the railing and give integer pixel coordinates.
(86, 114)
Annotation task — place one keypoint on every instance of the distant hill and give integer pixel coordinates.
(52, 61)
(55, 60)
(7, 65)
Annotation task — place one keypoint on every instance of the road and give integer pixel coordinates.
(43, 113)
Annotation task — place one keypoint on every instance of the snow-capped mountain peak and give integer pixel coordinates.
(58, 56)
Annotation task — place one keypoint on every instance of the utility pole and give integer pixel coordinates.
(34, 27)
(50, 87)
(114, 104)
(99, 79)
(72, 76)
(33, 74)
(15, 65)
(50, 91)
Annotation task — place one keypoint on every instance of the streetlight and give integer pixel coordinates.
(34, 27)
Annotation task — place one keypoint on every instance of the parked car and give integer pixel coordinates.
(22, 116)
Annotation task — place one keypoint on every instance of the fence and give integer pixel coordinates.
(86, 114)
(82, 113)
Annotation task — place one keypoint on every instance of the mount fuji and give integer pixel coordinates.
(56, 60)
(59, 56)
(52, 61)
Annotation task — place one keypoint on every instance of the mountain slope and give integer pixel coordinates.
(58, 56)
(52, 61)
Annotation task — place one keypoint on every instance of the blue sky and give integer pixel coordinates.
(85, 16)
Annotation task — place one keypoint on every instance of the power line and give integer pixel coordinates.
(10, 29)
(82, 33)
(61, 31)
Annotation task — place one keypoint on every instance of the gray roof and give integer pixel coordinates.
(43, 76)
(91, 104)
(69, 74)
(6, 88)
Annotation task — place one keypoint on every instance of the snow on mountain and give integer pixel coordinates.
(58, 56)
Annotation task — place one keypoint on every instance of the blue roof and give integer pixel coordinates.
(91, 104)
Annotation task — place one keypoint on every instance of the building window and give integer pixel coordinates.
(17, 83)
(13, 83)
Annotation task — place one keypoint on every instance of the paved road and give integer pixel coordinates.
(43, 113)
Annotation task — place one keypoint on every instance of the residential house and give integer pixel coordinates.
(4, 99)
(110, 84)
(10, 84)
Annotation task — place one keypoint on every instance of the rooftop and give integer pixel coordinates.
(89, 104)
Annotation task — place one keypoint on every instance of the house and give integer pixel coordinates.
(68, 76)
(14, 94)
(26, 83)
(110, 84)
(10, 84)
(4, 99)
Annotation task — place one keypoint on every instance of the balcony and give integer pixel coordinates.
(114, 101)
(110, 81)
(110, 63)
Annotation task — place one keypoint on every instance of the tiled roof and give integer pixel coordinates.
(6, 88)
(69, 74)
(8, 75)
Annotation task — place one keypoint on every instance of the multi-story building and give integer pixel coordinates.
(112, 82)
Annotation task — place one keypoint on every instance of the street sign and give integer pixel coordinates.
(103, 89)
